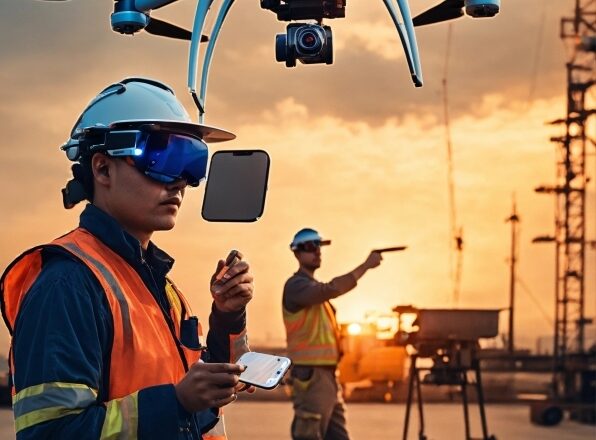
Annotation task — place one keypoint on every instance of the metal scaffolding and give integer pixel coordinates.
(579, 35)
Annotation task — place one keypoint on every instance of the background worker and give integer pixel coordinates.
(313, 340)
(104, 346)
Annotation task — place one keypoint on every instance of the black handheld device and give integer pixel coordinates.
(391, 249)
(233, 257)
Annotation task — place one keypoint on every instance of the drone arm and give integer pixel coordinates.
(417, 70)
(193, 54)
(407, 37)
(223, 12)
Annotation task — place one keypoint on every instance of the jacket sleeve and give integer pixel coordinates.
(300, 292)
(226, 340)
(61, 347)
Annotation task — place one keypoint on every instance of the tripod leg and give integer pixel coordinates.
(421, 435)
(481, 400)
(410, 391)
(464, 394)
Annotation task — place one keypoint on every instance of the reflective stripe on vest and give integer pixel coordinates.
(112, 284)
(312, 335)
(49, 401)
(144, 351)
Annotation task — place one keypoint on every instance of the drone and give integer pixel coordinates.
(308, 42)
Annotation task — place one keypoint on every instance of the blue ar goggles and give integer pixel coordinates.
(162, 156)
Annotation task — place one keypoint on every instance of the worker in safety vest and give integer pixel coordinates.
(104, 345)
(313, 340)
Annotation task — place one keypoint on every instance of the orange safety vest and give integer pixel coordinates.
(144, 351)
(312, 335)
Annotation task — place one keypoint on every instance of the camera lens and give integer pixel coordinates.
(308, 41)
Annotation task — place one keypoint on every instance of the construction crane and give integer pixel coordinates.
(571, 374)
(456, 240)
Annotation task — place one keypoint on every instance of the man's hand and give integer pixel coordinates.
(241, 387)
(373, 260)
(208, 386)
(235, 289)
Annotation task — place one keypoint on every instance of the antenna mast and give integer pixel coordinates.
(514, 220)
(579, 34)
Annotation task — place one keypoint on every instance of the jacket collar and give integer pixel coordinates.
(302, 273)
(109, 231)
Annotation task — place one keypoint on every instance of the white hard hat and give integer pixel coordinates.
(133, 102)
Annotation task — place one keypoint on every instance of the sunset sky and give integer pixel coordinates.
(357, 152)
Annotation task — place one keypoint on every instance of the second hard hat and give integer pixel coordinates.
(306, 235)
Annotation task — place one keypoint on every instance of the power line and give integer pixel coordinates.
(527, 290)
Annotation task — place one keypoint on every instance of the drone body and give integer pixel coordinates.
(289, 10)
(307, 42)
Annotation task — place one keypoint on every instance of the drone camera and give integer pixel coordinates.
(308, 43)
(288, 10)
(482, 8)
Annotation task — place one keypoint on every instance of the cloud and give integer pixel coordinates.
(379, 38)
(488, 57)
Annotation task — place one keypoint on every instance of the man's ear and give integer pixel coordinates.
(101, 165)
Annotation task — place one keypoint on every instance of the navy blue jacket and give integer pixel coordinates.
(64, 332)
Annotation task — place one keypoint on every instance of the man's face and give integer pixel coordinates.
(140, 204)
(309, 257)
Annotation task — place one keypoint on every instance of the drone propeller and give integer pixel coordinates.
(447, 10)
(165, 29)
(127, 19)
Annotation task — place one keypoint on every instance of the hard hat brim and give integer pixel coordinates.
(205, 132)
(294, 246)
